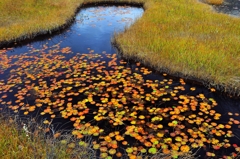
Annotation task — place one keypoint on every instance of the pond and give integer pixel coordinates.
(76, 80)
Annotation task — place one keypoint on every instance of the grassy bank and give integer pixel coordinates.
(187, 38)
(29, 140)
(26, 18)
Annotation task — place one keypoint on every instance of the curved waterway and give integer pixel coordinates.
(76, 79)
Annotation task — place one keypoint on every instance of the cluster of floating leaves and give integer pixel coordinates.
(112, 102)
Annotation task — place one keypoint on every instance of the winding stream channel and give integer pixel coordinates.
(76, 79)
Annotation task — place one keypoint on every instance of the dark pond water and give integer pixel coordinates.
(231, 7)
(76, 79)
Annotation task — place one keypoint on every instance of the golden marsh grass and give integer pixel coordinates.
(187, 37)
(26, 18)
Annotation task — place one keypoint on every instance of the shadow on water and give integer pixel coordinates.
(75, 77)
(231, 7)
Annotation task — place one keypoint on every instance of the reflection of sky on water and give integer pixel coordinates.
(96, 26)
(92, 29)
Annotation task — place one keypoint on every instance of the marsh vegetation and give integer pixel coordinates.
(119, 108)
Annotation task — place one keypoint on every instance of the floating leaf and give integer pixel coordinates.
(152, 150)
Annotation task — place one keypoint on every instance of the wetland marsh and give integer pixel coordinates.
(77, 78)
